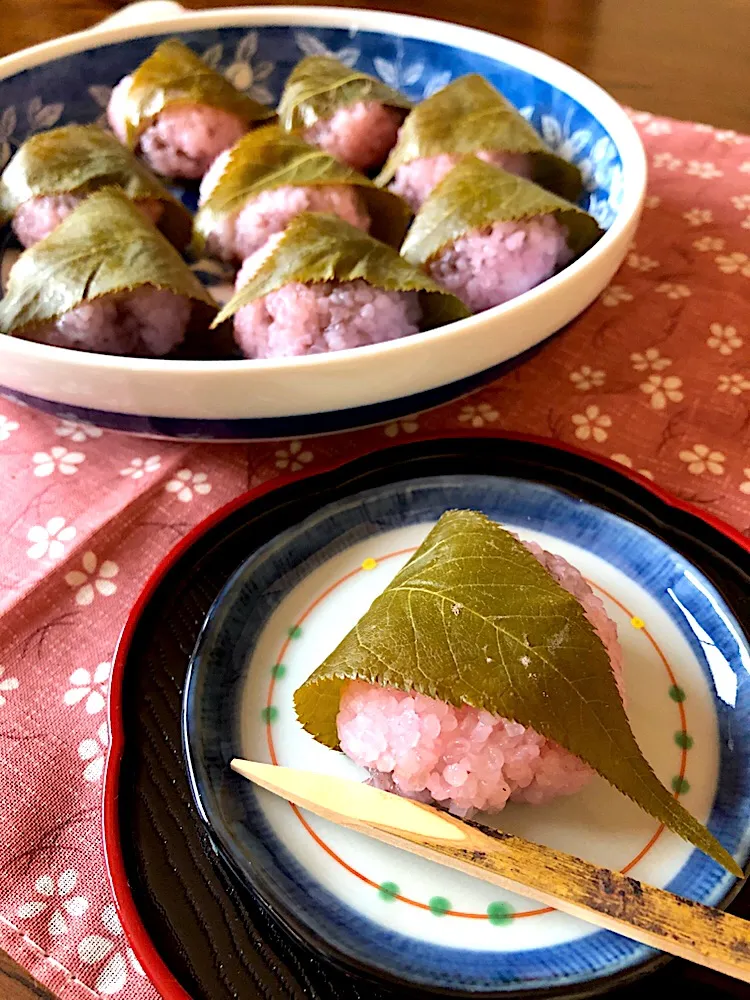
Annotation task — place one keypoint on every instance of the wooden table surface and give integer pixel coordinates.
(684, 58)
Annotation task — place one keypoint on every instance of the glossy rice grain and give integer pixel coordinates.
(492, 265)
(361, 134)
(415, 180)
(37, 217)
(325, 316)
(270, 212)
(183, 140)
(144, 322)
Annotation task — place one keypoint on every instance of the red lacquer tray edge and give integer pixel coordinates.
(142, 945)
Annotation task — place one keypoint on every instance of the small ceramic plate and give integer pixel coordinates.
(408, 921)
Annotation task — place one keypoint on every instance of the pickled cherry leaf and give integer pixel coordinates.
(319, 85)
(80, 159)
(105, 245)
(174, 74)
(474, 195)
(474, 619)
(469, 115)
(319, 247)
(271, 158)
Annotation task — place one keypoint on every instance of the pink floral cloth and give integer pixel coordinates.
(655, 375)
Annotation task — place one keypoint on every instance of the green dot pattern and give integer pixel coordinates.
(499, 914)
(388, 891)
(683, 740)
(278, 670)
(295, 632)
(680, 785)
(439, 906)
(676, 693)
(270, 714)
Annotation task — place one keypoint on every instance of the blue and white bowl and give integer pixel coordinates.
(69, 80)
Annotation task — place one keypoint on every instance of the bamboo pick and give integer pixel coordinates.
(654, 917)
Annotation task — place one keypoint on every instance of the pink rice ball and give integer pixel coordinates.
(466, 759)
(415, 180)
(145, 322)
(241, 234)
(494, 264)
(184, 139)
(314, 319)
(360, 134)
(37, 217)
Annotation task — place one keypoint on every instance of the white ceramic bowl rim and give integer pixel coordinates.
(551, 70)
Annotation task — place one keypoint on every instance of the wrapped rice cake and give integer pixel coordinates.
(105, 280)
(486, 672)
(470, 117)
(54, 171)
(487, 235)
(178, 113)
(255, 189)
(349, 114)
(324, 285)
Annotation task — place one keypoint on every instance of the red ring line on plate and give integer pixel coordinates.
(360, 875)
(146, 952)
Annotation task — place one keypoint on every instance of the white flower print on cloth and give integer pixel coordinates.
(91, 687)
(705, 243)
(58, 900)
(587, 378)
(745, 486)
(139, 467)
(744, 168)
(186, 483)
(734, 263)
(700, 458)
(49, 540)
(312, 46)
(94, 751)
(77, 431)
(95, 948)
(662, 390)
(591, 424)
(728, 135)
(735, 385)
(94, 578)
(628, 463)
(741, 202)
(652, 201)
(615, 294)
(724, 339)
(650, 360)
(6, 684)
(706, 171)
(478, 415)
(673, 291)
(698, 216)
(247, 75)
(745, 224)
(667, 161)
(293, 457)
(641, 262)
(7, 426)
(658, 127)
(407, 426)
(57, 459)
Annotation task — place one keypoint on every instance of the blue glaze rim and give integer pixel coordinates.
(273, 428)
(209, 691)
